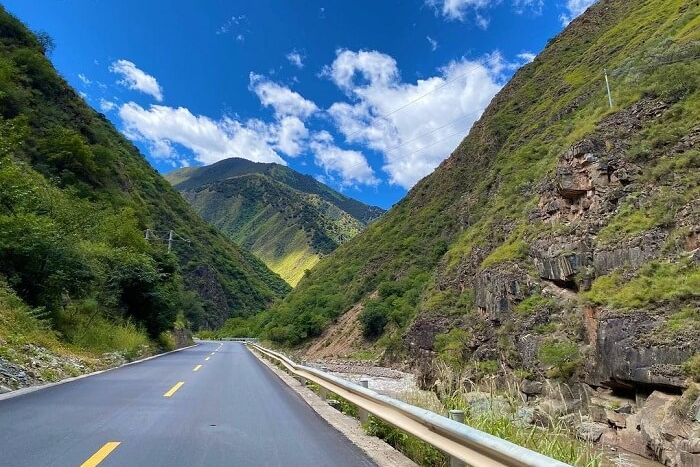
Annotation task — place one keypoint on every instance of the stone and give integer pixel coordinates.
(615, 419)
(590, 431)
(531, 388)
(625, 408)
(4, 389)
(524, 416)
(597, 413)
(483, 403)
(571, 419)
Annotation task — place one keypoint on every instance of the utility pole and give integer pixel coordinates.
(170, 241)
(607, 85)
(148, 231)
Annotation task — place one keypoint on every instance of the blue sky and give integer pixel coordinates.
(367, 96)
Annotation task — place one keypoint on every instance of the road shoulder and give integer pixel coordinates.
(376, 449)
(30, 389)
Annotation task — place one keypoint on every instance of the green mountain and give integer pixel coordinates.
(560, 238)
(75, 200)
(287, 219)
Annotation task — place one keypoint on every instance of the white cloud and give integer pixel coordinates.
(291, 134)
(283, 100)
(433, 43)
(574, 8)
(435, 113)
(162, 127)
(136, 79)
(457, 9)
(296, 59)
(376, 68)
(106, 105)
(526, 57)
(84, 79)
(351, 166)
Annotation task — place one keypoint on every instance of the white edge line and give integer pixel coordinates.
(30, 389)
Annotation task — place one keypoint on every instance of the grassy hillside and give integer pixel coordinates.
(287, 219)
(550, 195)
(75, 199)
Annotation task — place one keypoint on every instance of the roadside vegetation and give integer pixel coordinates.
(77, 276)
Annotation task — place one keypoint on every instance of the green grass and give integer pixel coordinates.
(561, 356)
(656, 282)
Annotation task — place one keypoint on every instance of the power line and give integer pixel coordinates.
(172, 236)
(413, 101)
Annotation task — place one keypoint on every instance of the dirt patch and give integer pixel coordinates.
(341, 339)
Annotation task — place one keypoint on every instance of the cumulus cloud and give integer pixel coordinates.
(136, 79)
(573, 9)
(283, 100)
(291, 134)
(296, 59)
(351, 166)
(162, 128)
(84, 79)
(414, 125)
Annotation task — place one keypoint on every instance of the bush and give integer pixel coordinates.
(451, 347)
(562, 357)
(374, 318)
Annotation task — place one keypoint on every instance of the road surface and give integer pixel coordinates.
(230, 410)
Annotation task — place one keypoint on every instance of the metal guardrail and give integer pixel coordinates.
(459, 441)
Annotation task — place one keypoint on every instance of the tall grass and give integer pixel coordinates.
(84, 326)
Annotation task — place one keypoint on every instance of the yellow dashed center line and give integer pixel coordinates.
(101, 454)
(197, 368)
(207, 358)
(212, 353)
(173, 389)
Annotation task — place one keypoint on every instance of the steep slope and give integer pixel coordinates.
(287, 219)
(75, 199)
(560, 238)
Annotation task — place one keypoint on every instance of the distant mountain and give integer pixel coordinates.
(287, 219)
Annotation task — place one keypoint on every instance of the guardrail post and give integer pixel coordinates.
(457, 416)
(362, 414)
(323, 392)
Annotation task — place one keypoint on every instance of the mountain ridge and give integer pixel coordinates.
(287, 219)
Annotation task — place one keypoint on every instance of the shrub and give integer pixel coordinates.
(561, 356)
(374, 318)
(451, 347)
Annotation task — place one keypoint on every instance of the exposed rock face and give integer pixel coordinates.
(497, 290)
(624, 361)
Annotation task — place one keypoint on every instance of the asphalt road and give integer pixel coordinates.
(231, 411)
